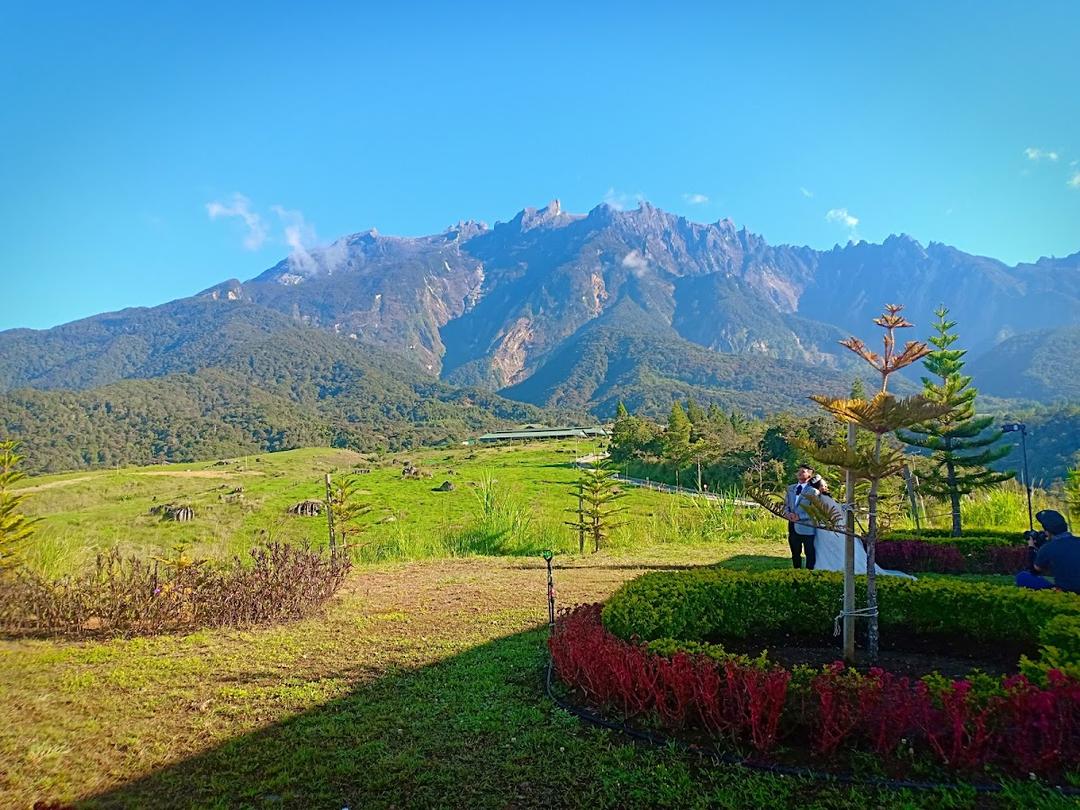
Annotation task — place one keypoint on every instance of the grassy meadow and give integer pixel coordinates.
(422, 683)
(506, 500)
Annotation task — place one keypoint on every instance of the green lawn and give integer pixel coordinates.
(420, 686)
(83, 513)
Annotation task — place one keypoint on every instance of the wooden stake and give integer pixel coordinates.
(849, 557)
(330, 515)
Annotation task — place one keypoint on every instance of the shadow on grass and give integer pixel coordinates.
(754, 562)
(473, 730)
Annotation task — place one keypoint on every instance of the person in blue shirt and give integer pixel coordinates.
(1059, 556)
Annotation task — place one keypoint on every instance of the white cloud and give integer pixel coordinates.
(1074, 181)
(299, 235)
(695, 199)
(806, 192)
(635, 262)
(621, 200)
(240, 207)
(1035, 153)
(842, 216)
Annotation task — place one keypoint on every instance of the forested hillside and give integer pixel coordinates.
(295, 387)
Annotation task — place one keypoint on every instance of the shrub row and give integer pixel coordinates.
(714, 603)
(949, 558)
(969, 543)
(1019, 726)
(129, 596)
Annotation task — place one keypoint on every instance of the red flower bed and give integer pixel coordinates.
(1017, 726)
(943, 558)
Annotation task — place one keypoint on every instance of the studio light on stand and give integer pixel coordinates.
(1021, 428)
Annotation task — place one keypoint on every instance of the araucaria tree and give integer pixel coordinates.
(880, 416)
(15, 527)
(596, 495)
(961, 444)
(344, 509)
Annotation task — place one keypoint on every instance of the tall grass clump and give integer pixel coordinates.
(1003, 507)
(502, 523)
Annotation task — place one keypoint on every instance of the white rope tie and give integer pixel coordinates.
(858, 613)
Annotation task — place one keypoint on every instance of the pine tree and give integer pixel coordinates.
(694, 413)
(961, 444)
(596, 496)
(15, 527)
(677, 438)
(345, 510)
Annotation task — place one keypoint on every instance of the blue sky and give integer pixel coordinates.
(151, 150)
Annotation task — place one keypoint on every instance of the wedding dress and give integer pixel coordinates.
(829, 549)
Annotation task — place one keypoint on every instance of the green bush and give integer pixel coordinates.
(713, 604)
(1059, 648)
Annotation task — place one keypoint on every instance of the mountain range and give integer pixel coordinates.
(556, 310)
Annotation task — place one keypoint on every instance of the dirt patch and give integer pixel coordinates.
(200, 473)
(53, 484)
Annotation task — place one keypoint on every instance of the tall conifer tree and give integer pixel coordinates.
(961, 444)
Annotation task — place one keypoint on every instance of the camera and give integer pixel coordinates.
(1038, 537)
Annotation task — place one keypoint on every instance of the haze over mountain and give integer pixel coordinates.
(558, 309)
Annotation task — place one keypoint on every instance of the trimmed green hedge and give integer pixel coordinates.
(714, 603)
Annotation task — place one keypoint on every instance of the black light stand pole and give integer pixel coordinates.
(1021, 428)
(1027, 475)
(548, 554)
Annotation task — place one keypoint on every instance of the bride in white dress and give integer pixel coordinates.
(829, 545)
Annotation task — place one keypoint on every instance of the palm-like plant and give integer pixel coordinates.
(15, 527)
(882, 415)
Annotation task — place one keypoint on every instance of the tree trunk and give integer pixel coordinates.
(873, 636)
(849, 556)
(581, 521)
(954, 497)
(330, 515)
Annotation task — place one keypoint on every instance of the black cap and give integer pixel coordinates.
(1053, 521)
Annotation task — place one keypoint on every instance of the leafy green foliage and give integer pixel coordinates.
(961, 444)
(15, 527)
(1072, 493)
(711, 604)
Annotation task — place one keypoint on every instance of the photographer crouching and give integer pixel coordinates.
(1053, 551)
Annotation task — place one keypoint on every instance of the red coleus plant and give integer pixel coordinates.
(1018, 726)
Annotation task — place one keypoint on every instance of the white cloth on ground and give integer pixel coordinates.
(829, 550)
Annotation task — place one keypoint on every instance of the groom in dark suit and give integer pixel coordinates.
(800, 528)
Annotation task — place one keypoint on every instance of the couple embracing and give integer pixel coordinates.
(824, 548)
(802, 533)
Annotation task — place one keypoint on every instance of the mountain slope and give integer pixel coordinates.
(292, 387)
(1042, 366)
(495, 307)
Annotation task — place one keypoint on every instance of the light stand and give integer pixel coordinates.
(1021, 428)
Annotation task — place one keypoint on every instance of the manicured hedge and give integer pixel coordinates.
(712, 604)
(948, 558)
